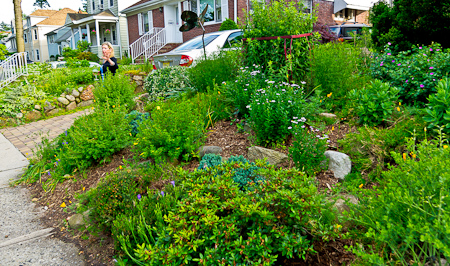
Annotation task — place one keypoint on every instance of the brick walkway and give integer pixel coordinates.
(25, 138)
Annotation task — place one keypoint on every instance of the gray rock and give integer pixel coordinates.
(63, 100)
(85, 103)
(247, 128)
(37, 107)
(75, 93)
(141, 97)
(273, 157)
(33, 115)
(80, 89)
(62, 95)
(53, 112)
(78, 220)
(70, 98)
(71, 106)
(48, 106)
(19, 115)
(136, 77)
(138, 82)
(328, 115)
(209, 149)
(77, 100)
(339, 163)
(341, 205)
(67, 90)
(436, 263)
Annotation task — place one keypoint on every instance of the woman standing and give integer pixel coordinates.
(110, 62)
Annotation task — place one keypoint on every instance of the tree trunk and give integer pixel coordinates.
(19, 25)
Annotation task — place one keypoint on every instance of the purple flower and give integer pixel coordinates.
(389, 43)
(49, 173)
(173, 183)
(421, 85)
(393, 61)
(437, 50)
(381, 64)
(162, 193)
(65, 132)
(139, 196)
(388, 53)
(431, 67)
(399, 64)
(434, 80)
(431, 73)
(406, 81)
(431, 49)
(420, 47)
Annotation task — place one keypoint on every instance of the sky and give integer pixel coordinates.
(7, 7)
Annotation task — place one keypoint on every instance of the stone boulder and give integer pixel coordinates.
(75, 93)
(339, 163)
(48, 106)
(88, 93)
(328, 115)
(63, 100)
(71, 106)
(37, 107)
(342, 205)
(85, 103)
(273, 157)
(53, 112)
(33, 115)
(209, 149)
(78, 220)
(137, 77)
(80, 89)
(70, 98)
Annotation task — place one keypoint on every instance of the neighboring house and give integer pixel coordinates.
(103, 23)
(155, 23)
(36, 25)
(62, 37)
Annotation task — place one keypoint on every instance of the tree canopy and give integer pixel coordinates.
(41, 3)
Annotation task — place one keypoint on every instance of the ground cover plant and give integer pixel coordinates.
(167, 82)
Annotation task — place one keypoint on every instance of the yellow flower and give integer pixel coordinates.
(63, 205)
(404, 156)
(130, 134)
(445, 146)
(425, 129)
(360, 186)
(157, 107)
(399, 103)
(84, 188)
(26, 153)
(141, 154)
(120, 167)
(329, 94)
(398, 109)
(332, 128)
(218, 92)
(135, 143)
(338, 226)
(414, 156)
(70, 201)
(114, 106)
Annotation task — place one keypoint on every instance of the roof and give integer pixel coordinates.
(64, 37)
(137, 4)
(58, 18)
(77, 16)
(43, 12)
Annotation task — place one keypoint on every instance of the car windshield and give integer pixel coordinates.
(196, 43)
(335, 30)
(346, 31)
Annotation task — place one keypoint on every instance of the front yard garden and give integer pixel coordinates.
(143, 194)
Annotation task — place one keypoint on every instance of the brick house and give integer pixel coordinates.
(153, 24)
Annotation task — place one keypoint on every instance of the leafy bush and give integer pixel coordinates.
(228, 24)
(69, 53)
(308, 149)
(115, 90)
(136, 119)
(415, 72)
(215, 69)
(167, 82)
(81, 77)
(278, 18)
(14, 100)
(370, 148)
(334, 66)
(438, 111)
(325, 34)
(407, 219)
(74, 63)
(209, 160)
(88, 56)
(175, 130)
(213, 221)
(374, 104)
(83, 46)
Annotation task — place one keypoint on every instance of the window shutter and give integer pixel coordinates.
(224, 10)
(140, 24)
(150, 20)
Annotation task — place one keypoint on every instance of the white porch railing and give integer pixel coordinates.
(12, 68)
(137, 47)
(154, 44)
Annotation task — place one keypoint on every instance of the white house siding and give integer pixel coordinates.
(123, 33)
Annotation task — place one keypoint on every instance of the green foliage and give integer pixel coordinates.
(115, 90)
(167, 82)
(278, 18)
(83, 46)
(308, 148)
(216, 69)
(407, 219)
(374, 103)
(415, 72)
(209, 160)
(370, 148)
(175, 131)
(410, 22)
(438, 108)
(228, 24)
(88, 56)
(334, 66)
(3, 52)
(74, 63)
(14, 100)
(69, 53)
(216, 222)
(136, 119)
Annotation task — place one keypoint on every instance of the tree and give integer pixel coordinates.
(41, 3)
(5, 26)
(410, 22)
(3, 52)
(84, 3)
(19, 26)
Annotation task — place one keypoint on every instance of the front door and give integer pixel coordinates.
(172, 22)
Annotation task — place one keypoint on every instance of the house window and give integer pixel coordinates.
(111, 3)
(59, 50)
(25, 38)
(214, 12)
(113, 30)
(51, 39)
(93, 5)
(145, 22)
(345, 14)
(35, 34)
(37, 55)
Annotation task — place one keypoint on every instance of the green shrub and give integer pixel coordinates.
(278, 18)
(333, 68)
(69, 53)
(215, 222)
(209, 160)
(228, 24)
(84, 76)
(308, 148)
(374, 103)
(438, 108)
(167, 82)
(370, 148)
(83, 46)
(117, 90)
(215, 69)
(136, 119)
(406, 221)
(14, 100)
(415, 72)
(174, 131)
(88, 56)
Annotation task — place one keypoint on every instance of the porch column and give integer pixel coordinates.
(72, 43)
(110, 33)
(88, 33)
(118, 38)
(79, 32)
(97, 32)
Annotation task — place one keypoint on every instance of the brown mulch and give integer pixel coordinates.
(98, 248)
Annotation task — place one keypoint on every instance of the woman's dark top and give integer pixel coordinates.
(107, 66)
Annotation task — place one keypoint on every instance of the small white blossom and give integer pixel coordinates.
(303, 82)
(289, 127)
(272, 101)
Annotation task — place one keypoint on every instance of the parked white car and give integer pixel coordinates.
(61, 64)
(191, 51)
